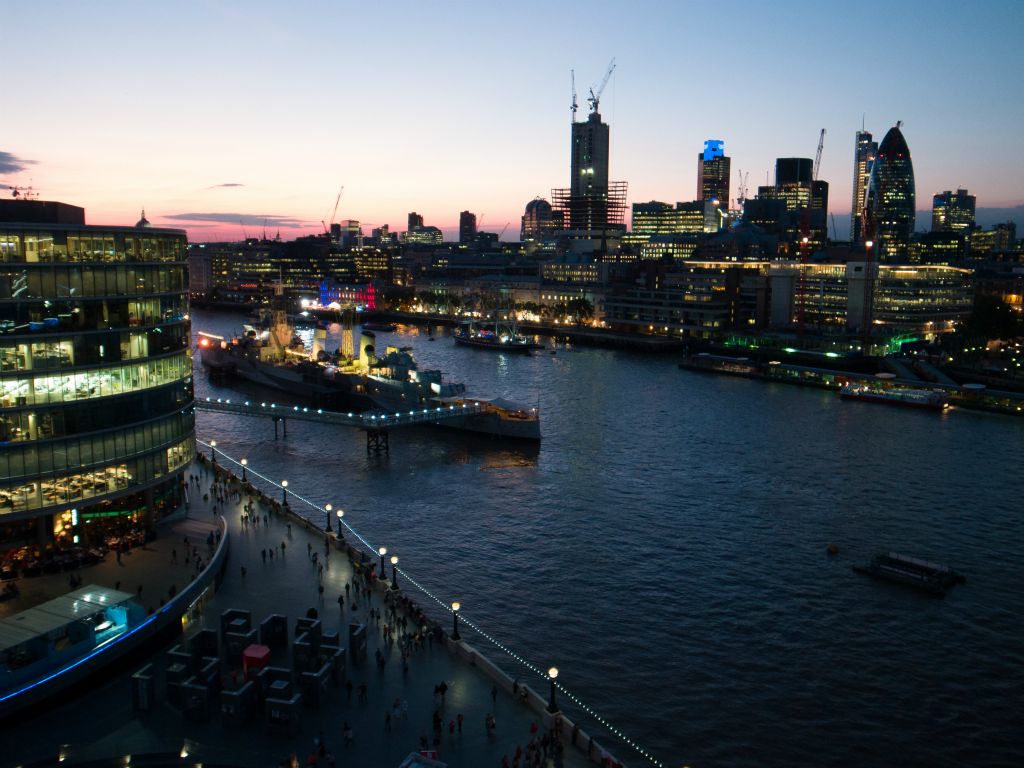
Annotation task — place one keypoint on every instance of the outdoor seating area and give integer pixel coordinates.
(240, 672)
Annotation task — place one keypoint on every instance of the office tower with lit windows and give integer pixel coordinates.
(713, 169)
(96, 415)
(864, 153)
(591, 204)
(467, 227)
(953, 211)
(415, 220)
(891, 199)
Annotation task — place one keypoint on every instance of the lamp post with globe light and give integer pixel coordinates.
(327, 509)
(244, 463)
(213, 451)
(552, 704)
(284, 492)
(394, 571)
(382, 551)
(455, 621)
(341, 514)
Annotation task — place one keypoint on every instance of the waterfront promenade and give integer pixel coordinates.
(103, 722)
(151, 567)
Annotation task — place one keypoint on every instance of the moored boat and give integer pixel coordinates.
(500, 334)
(910, 398)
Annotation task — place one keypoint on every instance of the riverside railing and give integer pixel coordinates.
(373, 551)
(378, 419)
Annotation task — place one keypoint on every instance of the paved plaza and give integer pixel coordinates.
(103, 722)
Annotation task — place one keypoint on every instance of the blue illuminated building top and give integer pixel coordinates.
(714, 148)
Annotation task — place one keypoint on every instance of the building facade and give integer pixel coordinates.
(891, 212)
(953, 211)
(467, 227)
(713, 169)
(864, 153)
(96, 374)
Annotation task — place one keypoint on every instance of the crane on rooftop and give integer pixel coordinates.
(572, 79)
(817, 157)
(595, 98)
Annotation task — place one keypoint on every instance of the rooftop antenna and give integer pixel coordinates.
(862, 116)
(899, 124)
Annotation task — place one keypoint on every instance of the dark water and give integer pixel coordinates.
(665, 548)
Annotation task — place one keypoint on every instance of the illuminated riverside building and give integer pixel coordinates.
(706, 299)
(863, 159)
(891, 199)
(96, 418)
(953, 211)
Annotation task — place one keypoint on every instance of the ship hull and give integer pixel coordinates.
(497, 346)
(868, 397)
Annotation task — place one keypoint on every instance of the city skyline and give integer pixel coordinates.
(444, 111)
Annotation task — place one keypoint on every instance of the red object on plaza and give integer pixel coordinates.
(254, 658)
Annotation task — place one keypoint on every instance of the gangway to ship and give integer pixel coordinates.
(375, 423)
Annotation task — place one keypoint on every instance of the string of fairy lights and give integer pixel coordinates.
(447, 606)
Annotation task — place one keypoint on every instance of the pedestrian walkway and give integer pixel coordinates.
(156, 567)
(104, 723)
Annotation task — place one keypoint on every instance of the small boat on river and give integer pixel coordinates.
(920, 574)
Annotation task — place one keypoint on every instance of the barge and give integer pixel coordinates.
(920, 574)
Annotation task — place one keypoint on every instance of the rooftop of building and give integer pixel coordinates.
(46, 214)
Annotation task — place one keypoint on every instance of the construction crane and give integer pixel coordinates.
(572, 79)
(817, 157)
(327, 229)
(595, 98)
(741, 189)
(805, 238)
(502, 233)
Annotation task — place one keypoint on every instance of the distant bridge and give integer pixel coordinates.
(375, 423)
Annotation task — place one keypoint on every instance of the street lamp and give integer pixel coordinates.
(284, 492)
(327, 509)
(244, 463)
(552, 704)
(382, 551)
(394, 571)
(455, 621)
(213, 452)
(341, 514)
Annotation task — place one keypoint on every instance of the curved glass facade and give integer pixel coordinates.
(892, 199)
(95, 367)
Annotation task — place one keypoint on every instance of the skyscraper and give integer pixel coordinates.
(953, 211)
(864, 153)
(713, 168)
(589, 165)
(891, 198)
(591, 204)
(415, 220)
(467, 227)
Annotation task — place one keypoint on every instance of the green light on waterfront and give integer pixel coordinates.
(789, 349)
(831, 354)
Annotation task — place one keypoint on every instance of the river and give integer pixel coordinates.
(665, 548)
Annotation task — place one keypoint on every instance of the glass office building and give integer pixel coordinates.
(891, 199)
(96, 402)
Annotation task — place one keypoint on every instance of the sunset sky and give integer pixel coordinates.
(207, 112)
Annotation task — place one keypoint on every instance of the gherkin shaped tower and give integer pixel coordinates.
(891, 199)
